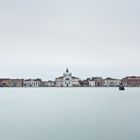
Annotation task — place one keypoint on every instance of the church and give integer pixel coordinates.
(67, 80)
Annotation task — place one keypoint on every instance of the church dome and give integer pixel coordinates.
(67, 73)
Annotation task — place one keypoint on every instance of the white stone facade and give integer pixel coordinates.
(110, 82)
(92, 83)
(67, 80)
(32, 83)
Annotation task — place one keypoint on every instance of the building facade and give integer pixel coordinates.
(16, 82)
(67, 80)
(111, 82)
(59, 81)
(32, 83)
(84, 83)
(4, 82)
(92, 83)
(50, 83)
(99, 82)
(131, 81)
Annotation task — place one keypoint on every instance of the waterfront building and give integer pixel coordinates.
(4, 82)
(50, 83)
(131, 81)
(92, 83)
(75, 82)
(59, 81)
(84, 83)
(111, 82)
(99, 82)
(32, 83)
(16, 82)
(67, 80)
(95, 82)
(43, 84)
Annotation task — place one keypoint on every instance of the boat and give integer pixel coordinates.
(121, 87)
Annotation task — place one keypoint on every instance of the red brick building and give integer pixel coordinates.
(4, 82)
(131, 81)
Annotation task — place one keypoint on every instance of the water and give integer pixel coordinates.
(69, 114)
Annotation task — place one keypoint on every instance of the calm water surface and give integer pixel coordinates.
(69, 114)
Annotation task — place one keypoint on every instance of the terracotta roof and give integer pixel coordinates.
(3, 79)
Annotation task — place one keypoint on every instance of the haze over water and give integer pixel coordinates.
(40, 38)
(69, 114)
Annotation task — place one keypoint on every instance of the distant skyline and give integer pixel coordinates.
(40, 38)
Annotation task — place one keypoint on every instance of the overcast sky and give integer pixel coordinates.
(40, 38)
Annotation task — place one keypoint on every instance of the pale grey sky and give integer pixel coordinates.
(40, 38)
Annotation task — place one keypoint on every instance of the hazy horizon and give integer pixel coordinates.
(91, 38)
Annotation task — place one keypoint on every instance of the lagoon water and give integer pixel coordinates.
(69, 114)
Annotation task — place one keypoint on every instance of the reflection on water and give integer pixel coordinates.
(69, 114)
